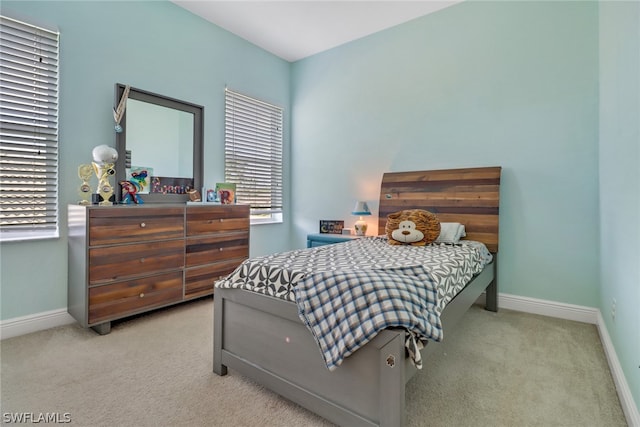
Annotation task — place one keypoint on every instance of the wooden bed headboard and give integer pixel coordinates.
(469, 196)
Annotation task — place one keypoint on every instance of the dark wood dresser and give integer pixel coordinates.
(125, 260)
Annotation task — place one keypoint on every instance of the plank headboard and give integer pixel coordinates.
(469, 196)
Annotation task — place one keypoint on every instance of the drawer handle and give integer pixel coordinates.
(141, 260)
(143, 225)
(141, 295)
(221, 219)
(220, 249)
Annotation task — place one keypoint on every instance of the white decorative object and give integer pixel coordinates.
(104, 154)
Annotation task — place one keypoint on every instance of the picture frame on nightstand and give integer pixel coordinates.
(331, 226)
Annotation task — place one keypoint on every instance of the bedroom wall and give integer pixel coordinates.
(477, 84)
(620, 181)
(155, 46)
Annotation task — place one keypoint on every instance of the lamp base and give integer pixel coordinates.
(361, 227)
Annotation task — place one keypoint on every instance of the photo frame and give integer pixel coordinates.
(140, 176)
(170, 185)
(226, 193)
(331, 226)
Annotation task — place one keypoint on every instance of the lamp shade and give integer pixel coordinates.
(361, 208)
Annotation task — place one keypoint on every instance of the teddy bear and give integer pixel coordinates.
(415, 227)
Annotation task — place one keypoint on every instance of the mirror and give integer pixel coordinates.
(160, 146)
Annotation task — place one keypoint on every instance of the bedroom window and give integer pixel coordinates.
(253, 154)
(28, 131)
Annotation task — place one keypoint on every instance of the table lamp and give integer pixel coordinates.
(361, 209)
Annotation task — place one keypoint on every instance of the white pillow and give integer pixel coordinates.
(450, 232)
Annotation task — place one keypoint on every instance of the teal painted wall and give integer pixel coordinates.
(155, 46)
(511, 84)
(543, 89)
(620, 181)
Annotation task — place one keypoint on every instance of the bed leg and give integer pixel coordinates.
(491, 302)
(218, 311)
(492, 297)
(392, 383)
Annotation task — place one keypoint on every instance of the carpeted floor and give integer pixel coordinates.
(504, 369)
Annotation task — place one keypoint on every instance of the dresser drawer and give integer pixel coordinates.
(124, 298)
(200, 280)
(215, 219)
(124, 225)
(217, 247)
(121, 262)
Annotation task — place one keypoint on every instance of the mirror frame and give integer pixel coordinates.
(198, 142)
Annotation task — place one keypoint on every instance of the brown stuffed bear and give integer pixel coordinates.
(412, 227)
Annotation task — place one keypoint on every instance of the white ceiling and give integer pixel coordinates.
(294, 30)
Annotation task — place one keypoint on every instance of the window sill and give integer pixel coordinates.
(265, 221)
(21, 236)
(273, 219)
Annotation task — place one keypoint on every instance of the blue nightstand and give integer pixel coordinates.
(321, 239)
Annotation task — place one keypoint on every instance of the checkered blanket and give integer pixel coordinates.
(345, 310)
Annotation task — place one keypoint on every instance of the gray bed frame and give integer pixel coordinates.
(262, 337)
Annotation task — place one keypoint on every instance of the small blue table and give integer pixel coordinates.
(321, 239)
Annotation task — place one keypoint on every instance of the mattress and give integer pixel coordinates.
(346, 293)
(451, 266)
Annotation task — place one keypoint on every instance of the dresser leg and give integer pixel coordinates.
(102, 328)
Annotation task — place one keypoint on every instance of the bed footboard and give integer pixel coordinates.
(263, 338)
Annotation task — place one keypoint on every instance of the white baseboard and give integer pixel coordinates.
(35, 322)
(624, 392)
(558, 310)
(585, 315)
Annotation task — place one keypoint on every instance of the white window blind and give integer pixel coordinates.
(28, 130)
(253, 153)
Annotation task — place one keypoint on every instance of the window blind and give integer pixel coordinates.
(28, 127)
(253, 152)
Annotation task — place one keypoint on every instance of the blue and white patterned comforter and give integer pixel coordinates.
(346, 293)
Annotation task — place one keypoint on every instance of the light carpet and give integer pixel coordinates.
(494, 369)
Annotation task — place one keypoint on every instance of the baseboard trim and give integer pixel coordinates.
(35, 322)
(558, 310)
(585, 315)
(624, 392)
